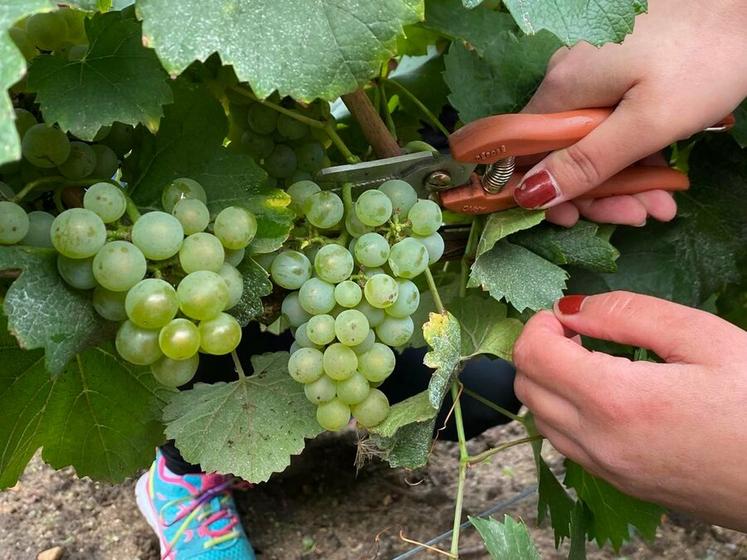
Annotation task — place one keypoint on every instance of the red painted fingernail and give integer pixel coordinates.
(570, 305)
(536, 191)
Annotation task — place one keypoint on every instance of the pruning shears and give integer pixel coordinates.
(480, 173)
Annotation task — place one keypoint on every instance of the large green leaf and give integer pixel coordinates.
(443, 335)
(44, 312)
(598, 22)
(502, 224)
(256, 285)
(117, 80)
(189, 143)
(250, 427)
(485, 329)
(305, 49)
(101, 415)
(12, 69)
(509, 540)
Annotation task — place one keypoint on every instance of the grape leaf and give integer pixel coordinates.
(480, 28)
(443, 335)
(502, 224)
(189, 143)
(613, 513)
(12, 69)
(425, 82)
(415, 40)
(100, 415)
(580, 518)
(579, 245)
(256, 285)
(599, 22)
(485, 329)
(306, 49)
(417, 408)
(509, 540)
(117, 80)
(44, 312)
(525, 279)
(250, 427)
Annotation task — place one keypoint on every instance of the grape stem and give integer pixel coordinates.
(434, 291)
(480, 457)
(132, 212)
(419, 104)
(387, 112)
(339, 143)
(463, 464)
(237, 365)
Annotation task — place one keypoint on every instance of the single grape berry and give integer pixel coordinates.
(158, 235)
(305, 365)
(235, 283)
(351, 327)
(408, 258)
(179, 339)
(175, 373)
(291, 128)
(373, 208)
(137, 345)
(282, 162)
(292, 310)
(77, 273)
(78, 233)
(373, 410)
(321, 390)
(151, 303)
(202, 295)
(45, 146)
(235, 227)
(219, 335)
(381, 290)
(340, 362)
(395, 332)
(105, 200)
(262, 119)
(192, 214)
(110, 305)
(425, 217)
(333, 415)
(80, 163)
(377, 363)
(324, 209)
(290, 270)
(366, 345)
(14, 223)
(317, 296)
(310, 156)
(353, 390)
(179, 189)
(40, 229)
(201, 251)
(119, 265)
(303, 340)
(408, 300)
(333, 263)
(47, 31)
(107, 162)
(299, 192)
(435, 246)
(348, 294)
(372, 250)
(321, 329)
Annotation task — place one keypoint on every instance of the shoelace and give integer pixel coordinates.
(195, 508)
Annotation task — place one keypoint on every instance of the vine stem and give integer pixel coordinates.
(434, 291)
(427, 113)
(378, 136)
(463, 464)
(480, 457)
(237, 365)
(491, 404)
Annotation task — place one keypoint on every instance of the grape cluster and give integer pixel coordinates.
(350, 305)
(62, 32)
(289, 150)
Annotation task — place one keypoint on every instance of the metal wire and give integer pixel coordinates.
(529, 491)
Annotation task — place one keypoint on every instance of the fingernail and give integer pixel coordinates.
(643, 223)
(536, 190)
(570, 305)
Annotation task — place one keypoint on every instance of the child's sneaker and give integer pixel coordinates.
(194, 515)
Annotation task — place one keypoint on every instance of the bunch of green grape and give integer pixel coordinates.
(351, 303)
(61, 32)
(289, 150)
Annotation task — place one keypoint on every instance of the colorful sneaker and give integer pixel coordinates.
(193, 515)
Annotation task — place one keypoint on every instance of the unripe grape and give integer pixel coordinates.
(407, 301)
(353, 390)
(220, 335)
(159, 236)
(201, 251)
(373, 410)
(202, 295)
(192, 214)
(234, 282)
(179, 339)
(80, 163)
(45, 146)
(348, 293)
(299, 192)
(324, 209)
(408, 258)
(317, 296)
(395, 332)
(351, 327)
(292, 310)
(137, 345)
(320, 329)
(340, 362)
(321, 390)
(425, 217)
(175, 373)
(151, 303)
(305, 365)
(378, 363)
(235, 227)
(333, 263)
(179, 189)
(333, 415)
(77, 273)
(110, 305)
(119, 265)
(381, 290)
(107, 201)
(373, 208)
(78, 233)
(290, 270)
(14, 223)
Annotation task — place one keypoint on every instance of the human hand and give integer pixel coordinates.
(680, 71)
(673, 433)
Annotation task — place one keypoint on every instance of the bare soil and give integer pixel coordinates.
(320, 509)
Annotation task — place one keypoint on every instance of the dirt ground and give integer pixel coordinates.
(313, 513)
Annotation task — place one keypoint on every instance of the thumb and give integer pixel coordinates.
(678, 334)
(625, 137)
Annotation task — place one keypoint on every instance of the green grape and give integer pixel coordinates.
(24, 120)
(151, 303)
(80, 163)
(119, 265)
(299, 192)
(219, 335)
(202, 295)
(235, 258)
(340, 362)
(120, 138)
(78, 233)
(264, 260)
(179, 189)
(321, 390)
(294, 347)
(201, 251)
(179, 339)
(302, 338)
(160, 236)
(353, 390)
(14, 223)
(40, 227)
(262, 119)
(259, 146)
(281, 163)
(373, 208)
(235, 283)
(290, 270)
(408, 258)
(378, 363)
(137, 345)
(407, 302)
(381, 290)
(310, 156)
(76, 53)
(321, 329)
(291, 128)
(402, 195)
(355, 227)
(317, 296)
(333, 415)
(235, 227)
(107, 162)
(333, 263)
(45, 146)
(78, 273)
(425, 217)
(24, 44)
(324, 209)
(193, 215)
(305, 365)
(105, 200)
(110, 305)
(48, 31)
(434, 244)
(351, 327)
(293, 311)
(175, 373)
(374, 315)
(395, 332)
(373, 410)
(418, 146)
(351, 245)
(366, 345)
(372, 249)
(348, 293)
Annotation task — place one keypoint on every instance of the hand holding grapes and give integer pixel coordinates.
(680, 71)
(674, 433)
